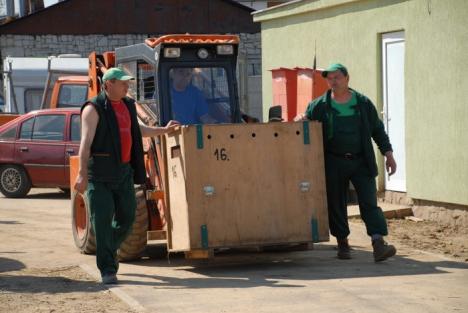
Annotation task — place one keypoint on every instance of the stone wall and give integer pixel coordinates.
(46, 45)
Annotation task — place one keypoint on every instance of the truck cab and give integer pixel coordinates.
(25, 80)
(69, 91)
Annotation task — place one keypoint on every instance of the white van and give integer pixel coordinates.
(24, 79)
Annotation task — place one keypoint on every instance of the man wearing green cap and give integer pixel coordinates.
(111, 162)
(350, 122)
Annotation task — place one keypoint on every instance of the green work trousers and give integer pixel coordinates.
(339, 171)
(112, 207)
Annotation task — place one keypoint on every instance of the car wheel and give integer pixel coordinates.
(14, 181)
(83, 232)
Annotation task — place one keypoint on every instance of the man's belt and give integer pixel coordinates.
(347, 156)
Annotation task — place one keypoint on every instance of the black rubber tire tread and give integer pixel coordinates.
(132, 248)
(88, 244)
(25, 182)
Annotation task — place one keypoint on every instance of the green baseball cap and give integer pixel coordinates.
(117, 74)
(335, 67)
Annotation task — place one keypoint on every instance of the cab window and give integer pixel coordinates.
(200, 95)
(72, 95)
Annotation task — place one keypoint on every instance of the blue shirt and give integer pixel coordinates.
(188, 105)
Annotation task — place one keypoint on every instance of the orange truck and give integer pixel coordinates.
(68, 91)
(226, 184)
(27, 81)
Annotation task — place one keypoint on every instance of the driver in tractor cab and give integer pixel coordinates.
(189, 105)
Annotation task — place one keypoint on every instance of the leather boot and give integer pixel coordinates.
(382, 250)
(344, 251)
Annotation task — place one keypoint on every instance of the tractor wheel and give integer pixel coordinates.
(83, 231)
(135, 244)
(14, 181)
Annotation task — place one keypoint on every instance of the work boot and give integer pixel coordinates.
(382, 250)
(344, 251)
(109, 279)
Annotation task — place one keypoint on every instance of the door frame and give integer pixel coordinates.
(391, 38)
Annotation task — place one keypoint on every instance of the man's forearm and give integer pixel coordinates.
(84, 158)
(148, 131)
(89, 122)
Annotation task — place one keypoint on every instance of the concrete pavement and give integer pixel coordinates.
(305, 281)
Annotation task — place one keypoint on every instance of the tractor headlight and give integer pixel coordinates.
(225, 49)
(172, 52)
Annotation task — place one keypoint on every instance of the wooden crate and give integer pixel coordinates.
(245, 185)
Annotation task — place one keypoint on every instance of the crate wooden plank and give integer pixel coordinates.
(178, 224)
(255, 172)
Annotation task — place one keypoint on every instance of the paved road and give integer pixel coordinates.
(35, 232)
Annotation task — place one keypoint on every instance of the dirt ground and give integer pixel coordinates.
(69, 289)
(451, 241)
(42, 290)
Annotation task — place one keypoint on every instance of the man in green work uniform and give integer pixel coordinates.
(111, 162)
(349, 120)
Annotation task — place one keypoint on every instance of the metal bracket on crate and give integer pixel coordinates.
(305, 130)
(204, 236)
(199, 136)
(314, 227)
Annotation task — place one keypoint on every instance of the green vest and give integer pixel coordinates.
(104, 163)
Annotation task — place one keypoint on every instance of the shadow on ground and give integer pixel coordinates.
(8, 265)
(49, 195)
(247, 270)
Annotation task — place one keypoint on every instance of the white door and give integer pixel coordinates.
(393, 50)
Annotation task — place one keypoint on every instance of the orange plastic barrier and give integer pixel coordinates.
(285, 91)
(310, 85)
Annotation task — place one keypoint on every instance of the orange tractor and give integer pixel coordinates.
(222, 210)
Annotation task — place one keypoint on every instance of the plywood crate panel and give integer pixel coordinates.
(246, 184)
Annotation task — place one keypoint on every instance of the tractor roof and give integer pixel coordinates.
(192, 39)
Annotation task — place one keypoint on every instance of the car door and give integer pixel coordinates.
(41, 149)
(73, 144)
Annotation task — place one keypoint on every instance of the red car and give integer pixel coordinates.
(35, 149)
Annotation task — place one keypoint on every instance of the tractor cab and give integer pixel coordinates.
(189, 78)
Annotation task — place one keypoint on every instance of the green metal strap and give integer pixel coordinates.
(204, 236)
(305, 130)
(314, 226)
(199, 136)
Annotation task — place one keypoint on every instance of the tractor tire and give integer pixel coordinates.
(14, 181)
(83, 232)
(132, 248)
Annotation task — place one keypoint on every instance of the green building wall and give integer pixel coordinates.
(436, 73)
